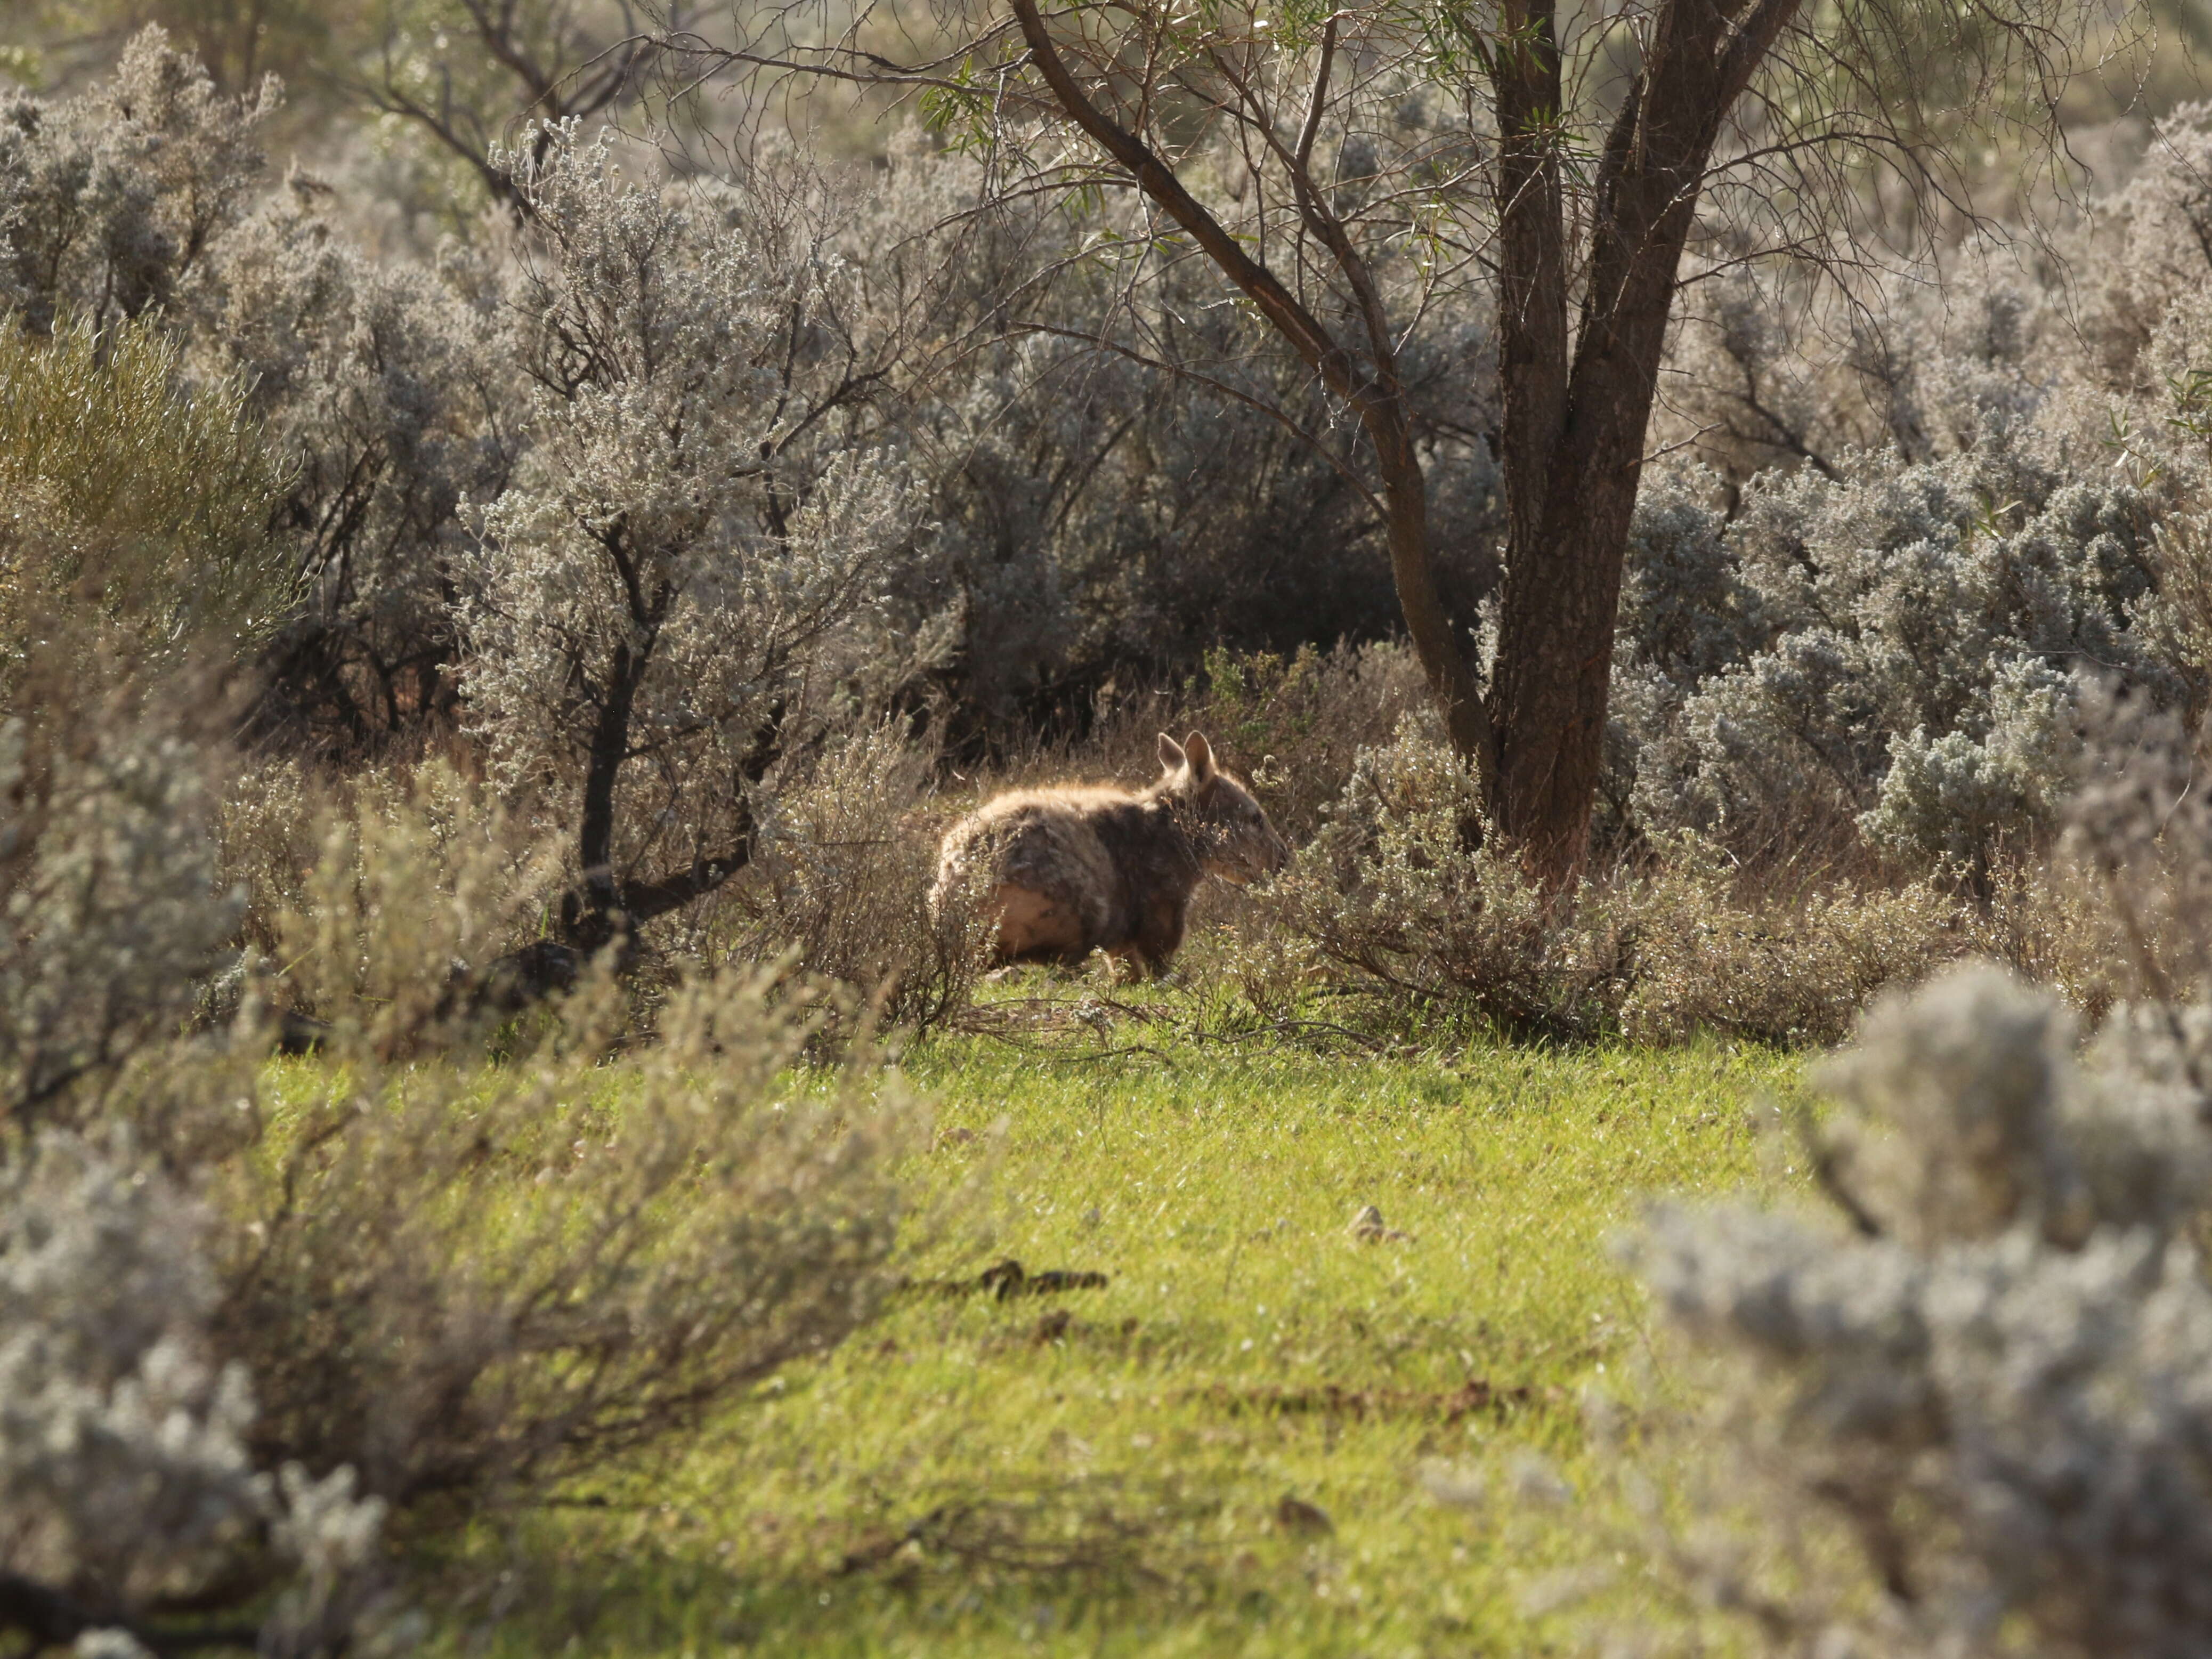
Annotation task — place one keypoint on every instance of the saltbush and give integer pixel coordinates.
(126, 1482)
(1988, 1382)
(136, 521)
(1893, 648)
(1964, 1407)
(1408, 905)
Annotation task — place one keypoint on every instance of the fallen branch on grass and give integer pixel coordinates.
(1008, 1279)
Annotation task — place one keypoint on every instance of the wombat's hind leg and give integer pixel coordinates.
(1125, 965)
(1035, 926)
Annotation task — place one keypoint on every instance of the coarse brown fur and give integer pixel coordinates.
(1068, 870)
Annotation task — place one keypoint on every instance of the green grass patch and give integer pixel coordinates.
(1219, 1451)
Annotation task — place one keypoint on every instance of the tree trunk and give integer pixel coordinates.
(1554, 662)
(602, 909)
(1575, 436)
(592, 917)
(1445, 664)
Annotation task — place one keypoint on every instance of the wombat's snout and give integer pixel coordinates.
(1261, 853)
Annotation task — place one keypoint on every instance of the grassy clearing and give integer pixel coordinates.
(1106, 1470)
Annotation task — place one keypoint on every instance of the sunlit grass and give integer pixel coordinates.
(1106, 1470)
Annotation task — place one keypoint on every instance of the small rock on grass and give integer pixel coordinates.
(1367, 1227)
(1294, 1515)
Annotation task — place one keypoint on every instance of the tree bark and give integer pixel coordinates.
(602, 909)
(1575, 434)
(591, 916)
(1445, 665)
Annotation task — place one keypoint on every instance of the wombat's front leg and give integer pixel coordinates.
(1160, 935)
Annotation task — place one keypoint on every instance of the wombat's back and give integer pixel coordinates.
(1037, 859)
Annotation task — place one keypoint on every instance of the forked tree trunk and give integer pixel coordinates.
(1569, 525)
(1575, 408)
(1574, 429)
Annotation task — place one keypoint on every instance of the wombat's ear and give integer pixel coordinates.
(1171, 756)
(1201, 756)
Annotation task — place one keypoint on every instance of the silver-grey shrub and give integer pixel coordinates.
(471, 1282)
(1093, 520)
(1893, 649)
(1930, 506)
(111, 200)
(1419, 912)
(685, 578)
(390, 395)
(1415, 915)
(126, 1486)
(1989, 1382)
(111, 913)
(435, 1271)
(1101, 524)
(379, 400)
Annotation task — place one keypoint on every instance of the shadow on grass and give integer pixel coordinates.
(1087, 1554)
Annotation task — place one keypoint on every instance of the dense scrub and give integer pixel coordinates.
(1854, 620)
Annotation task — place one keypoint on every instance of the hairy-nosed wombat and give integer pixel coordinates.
(1069, 870)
